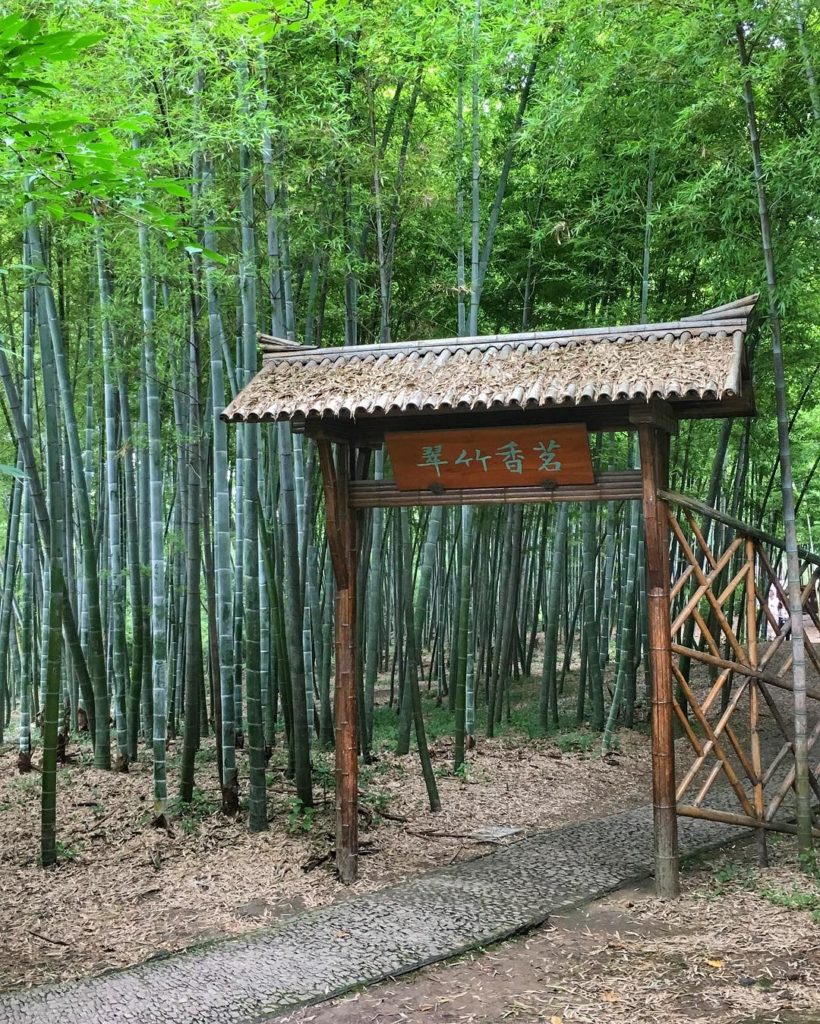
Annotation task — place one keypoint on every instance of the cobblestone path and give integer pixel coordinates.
(321, 953)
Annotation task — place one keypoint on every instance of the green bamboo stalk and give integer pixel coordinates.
(7, 593)
(412, 683)
(548, 696)
(257, 804)
(116, 612)
(47, 313)
(156, 529)
(221, 516)
(593, 662)
(463, 645)
(53, 650)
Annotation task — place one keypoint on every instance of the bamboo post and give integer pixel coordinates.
(346, 712)
(754, 711)
(343, 543)
(654, 448)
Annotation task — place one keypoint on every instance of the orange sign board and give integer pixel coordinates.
(491, 457)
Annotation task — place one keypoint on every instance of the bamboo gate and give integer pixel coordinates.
(721, 591)
(643, 378)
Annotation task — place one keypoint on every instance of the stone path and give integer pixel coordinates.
(368, 938)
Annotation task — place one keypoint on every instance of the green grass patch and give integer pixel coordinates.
(794, 898)
(576, 741)
(519, 720)
(190, 815)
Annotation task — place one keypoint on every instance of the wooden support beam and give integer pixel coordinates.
(344, 433)
(342, 535)
(655, 413)
(346, 712)
(654, 448)
(610, 486)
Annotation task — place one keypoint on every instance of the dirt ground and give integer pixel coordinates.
(124, 891)
(742, 945)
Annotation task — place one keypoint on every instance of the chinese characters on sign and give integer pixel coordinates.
(491, 457)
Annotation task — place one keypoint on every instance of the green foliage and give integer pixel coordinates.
(524, 719)
(732, 874)
(190, 815)
(299, 818)
(794, 898)
(68, 852)
(26, 786)
(802, 895)
(808, 863)
(572, 742)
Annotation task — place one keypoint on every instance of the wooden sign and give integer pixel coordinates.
(491, 457)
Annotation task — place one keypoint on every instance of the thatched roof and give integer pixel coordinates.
(695, 364)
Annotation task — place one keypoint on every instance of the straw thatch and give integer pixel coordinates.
(698, 359)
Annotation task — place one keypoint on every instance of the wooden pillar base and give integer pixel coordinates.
(347, 763)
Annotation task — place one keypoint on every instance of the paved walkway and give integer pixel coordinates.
(368, 938)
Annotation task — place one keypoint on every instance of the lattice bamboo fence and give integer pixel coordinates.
(732, 665)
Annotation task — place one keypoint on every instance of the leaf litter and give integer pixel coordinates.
(124, 891)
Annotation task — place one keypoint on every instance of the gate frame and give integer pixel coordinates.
(348, 493)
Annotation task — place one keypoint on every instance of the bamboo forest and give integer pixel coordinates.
(259, 655)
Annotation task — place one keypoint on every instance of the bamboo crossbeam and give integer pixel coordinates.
(804, 595)
(748, 766)
(786, 748)
(730, 587)
(740, 668)
(615, 486)
(706, 632)
(681, 582)
(743, 820)
(686, 725)
(674, 498)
